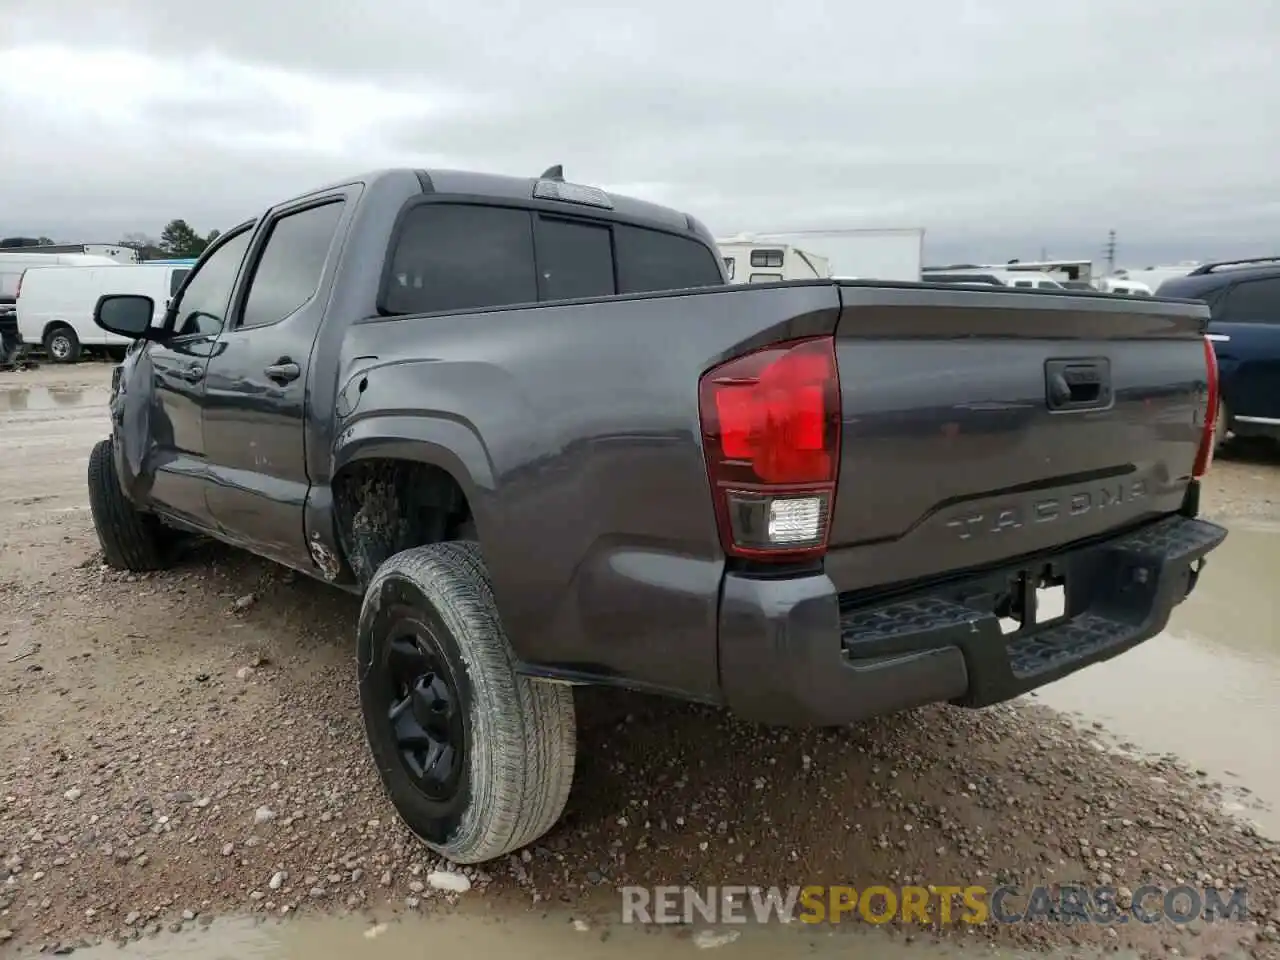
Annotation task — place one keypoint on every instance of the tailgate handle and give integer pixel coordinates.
(1083, 384)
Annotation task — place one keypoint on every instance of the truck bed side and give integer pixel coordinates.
(573, 429)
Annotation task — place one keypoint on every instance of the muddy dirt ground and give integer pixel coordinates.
(186, 745)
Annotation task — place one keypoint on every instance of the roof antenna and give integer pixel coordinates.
(554, 173)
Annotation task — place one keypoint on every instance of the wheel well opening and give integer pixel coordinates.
(385, 506)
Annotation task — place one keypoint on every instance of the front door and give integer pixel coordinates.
(256, 382)
(171, 377)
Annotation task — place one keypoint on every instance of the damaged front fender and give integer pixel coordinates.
(135, 413)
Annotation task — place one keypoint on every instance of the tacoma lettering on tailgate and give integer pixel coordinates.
(1067, 506)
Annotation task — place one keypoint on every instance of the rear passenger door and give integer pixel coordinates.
(1246, 328)
(255, 422)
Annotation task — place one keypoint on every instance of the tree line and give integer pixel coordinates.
(178, 240)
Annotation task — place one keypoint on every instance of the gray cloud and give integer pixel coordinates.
(1002, 127)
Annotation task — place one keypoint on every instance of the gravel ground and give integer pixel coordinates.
(187, 744)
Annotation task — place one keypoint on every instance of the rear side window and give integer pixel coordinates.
(462, 257)
(289, 270)
(649, 260)
(454, 256)
(175, 280)
(575, 259)
(1252, 301)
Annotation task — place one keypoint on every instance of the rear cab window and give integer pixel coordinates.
(463, 256)
(574, 258)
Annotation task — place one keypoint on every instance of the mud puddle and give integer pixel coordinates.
(481, 934)
(37, 397)
(1208, 688)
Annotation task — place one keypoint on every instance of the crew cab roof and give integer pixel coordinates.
(1194, 286)
(492, 186)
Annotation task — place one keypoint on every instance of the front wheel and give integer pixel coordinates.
(130, 540)
(62, 345)
(477, 759)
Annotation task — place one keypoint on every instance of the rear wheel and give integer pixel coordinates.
(62, 345)
(130, 540)
(477, 759)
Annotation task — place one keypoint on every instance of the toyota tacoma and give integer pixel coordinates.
(533, 426)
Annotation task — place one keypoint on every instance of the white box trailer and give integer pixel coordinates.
(888, 253)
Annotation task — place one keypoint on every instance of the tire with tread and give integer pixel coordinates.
(62, 332)
(130, 540)
(520, 734)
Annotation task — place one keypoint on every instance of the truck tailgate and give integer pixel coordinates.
(980, 426)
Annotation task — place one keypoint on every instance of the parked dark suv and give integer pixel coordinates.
(1244, 298)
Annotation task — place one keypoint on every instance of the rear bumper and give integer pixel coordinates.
(795, 652)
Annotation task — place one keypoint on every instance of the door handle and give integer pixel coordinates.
(194, 373)
(283, 371)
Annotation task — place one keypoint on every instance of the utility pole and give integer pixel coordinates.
(1111, 251)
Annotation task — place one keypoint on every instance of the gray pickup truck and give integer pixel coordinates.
(533, 426)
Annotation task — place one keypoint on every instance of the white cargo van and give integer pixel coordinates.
(55, 303)
(1131, 288)
(13, 262)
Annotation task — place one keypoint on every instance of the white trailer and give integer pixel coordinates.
(112, 251)
(753, 261)
(891, 253)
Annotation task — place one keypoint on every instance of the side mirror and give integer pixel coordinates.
(126, 314)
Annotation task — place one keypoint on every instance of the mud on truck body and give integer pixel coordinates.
(534, 427)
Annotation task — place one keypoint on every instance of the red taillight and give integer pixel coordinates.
(1204, 456)
(771, 434)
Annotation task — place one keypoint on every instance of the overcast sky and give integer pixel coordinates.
(1003, 128)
